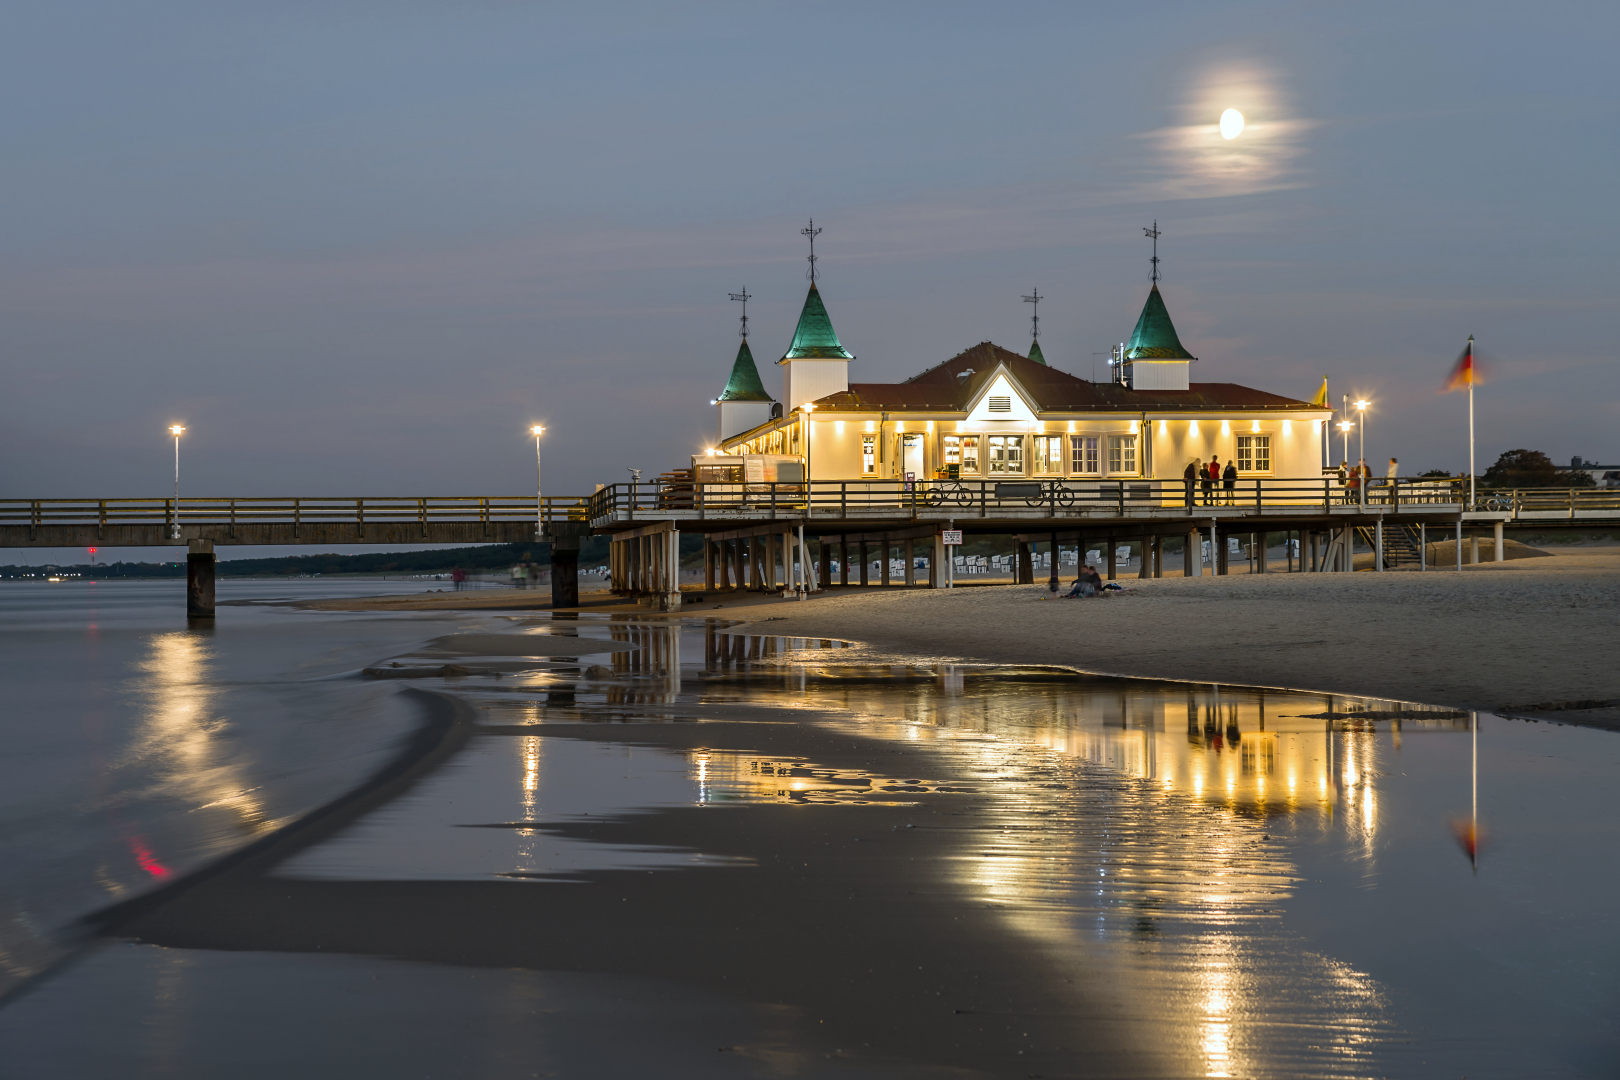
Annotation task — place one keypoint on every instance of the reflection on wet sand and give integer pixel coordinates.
(1114, 821)
(183, 740)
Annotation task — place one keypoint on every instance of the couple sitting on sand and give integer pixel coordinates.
(1089, 583)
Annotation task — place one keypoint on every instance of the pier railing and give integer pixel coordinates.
(1012, 497)
(103, 513)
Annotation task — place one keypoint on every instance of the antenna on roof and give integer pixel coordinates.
(812, 232)
(744, 297)
(1153, 234)
(1035, 319)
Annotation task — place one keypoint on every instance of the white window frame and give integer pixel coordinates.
(868, 455)
(970, 455)
(1122, 460)
(1247, 444)
(1044, 461)
(1012, 454)
(1085, 455)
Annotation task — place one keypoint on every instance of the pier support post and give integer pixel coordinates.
(1378, 545)
(1111, 558)
(910, 549)
(1260, 554)
(565, 570)
(1473, 551)
(1459, 545)
(1146, 569)
(866, 562)
(883, 561)
(843, 559)
(1026, 566)
(1500, 554)
(200, 579)
(708, 564)
(1192, 561)
(824, 551)
(1423, 545)
(1052, 579)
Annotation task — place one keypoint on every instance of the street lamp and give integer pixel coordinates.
(539, 485)
(1345, 426)
(808, 408)
(176, 430)
(1361, 408)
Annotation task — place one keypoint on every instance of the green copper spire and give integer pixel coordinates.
(1155, 335)
(744, 384)
(1035, 353)
(815, 338)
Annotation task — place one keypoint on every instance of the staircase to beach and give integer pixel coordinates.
(1400, 545)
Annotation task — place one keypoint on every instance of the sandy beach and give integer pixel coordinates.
(1533, 637)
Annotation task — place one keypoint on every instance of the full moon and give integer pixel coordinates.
(1231, 124)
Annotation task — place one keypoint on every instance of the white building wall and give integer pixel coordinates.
(737, 417)
(811, 380)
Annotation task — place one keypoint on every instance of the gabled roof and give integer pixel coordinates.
(815, 338)
(953, 385)
(1155, 335)
(744, 384)
(1035, 353)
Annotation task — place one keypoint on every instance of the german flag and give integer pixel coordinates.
(1463, 373)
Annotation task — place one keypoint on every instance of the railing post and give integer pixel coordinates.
(773, 500)
(1259, 499)
(360, 516)
(1121, 498)
(843, 502)
(984, 500)
(233, 519)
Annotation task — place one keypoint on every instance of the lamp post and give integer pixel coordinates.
(1361, 435)
(807, 408)
(1345, 426)
(176, 430)
(539, 485)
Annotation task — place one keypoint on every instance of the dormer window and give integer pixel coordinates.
(1000, 403)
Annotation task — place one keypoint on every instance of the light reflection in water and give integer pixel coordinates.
(181, 734)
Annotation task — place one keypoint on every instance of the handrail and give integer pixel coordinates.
(296, 511)
(1017, 496)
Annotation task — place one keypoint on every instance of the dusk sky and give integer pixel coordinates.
(358, 248)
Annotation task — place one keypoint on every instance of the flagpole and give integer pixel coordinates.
(1471, 421)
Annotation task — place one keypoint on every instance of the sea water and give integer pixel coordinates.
(135, 747)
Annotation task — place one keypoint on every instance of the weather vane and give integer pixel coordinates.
(743, 296)
(1035, 319)
(1153, 234)
(812, 232)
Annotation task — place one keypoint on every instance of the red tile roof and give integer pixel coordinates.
(948, 387)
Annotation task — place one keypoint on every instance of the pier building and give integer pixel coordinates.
(994, 414)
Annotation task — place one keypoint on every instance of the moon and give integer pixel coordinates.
(1231, 124)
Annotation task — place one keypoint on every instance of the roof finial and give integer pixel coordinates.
(1153, 234)
(812, 232)
(1035, 319)
(744, 297)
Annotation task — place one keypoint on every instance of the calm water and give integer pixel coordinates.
(137, 748)
(1275, 883)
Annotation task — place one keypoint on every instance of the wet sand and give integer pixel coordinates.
(1532, 637)
(851, 929)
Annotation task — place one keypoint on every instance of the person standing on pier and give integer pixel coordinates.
(1212, 473)
(1230, 478)
(1191, 476)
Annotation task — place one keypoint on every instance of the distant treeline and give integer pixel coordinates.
(593, 552)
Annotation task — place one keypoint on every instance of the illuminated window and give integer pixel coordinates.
(1083, 454)
(1006, 454)
(868, 454)
(970, 453)
(1049, 455)
(1254, 453)
(952, 448)
(1122, 454)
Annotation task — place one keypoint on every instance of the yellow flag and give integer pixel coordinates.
(1321, 395)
